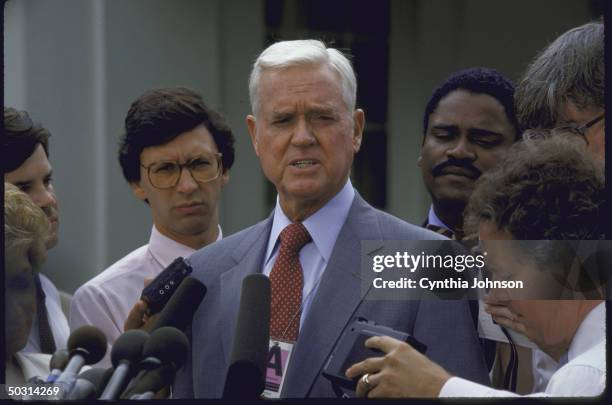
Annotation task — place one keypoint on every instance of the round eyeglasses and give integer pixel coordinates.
(203, 168)
(579, 130)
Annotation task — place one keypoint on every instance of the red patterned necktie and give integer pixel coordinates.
(286, 282)
(442, 231)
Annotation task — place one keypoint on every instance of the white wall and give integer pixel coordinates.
(430, 39)
(76, 65)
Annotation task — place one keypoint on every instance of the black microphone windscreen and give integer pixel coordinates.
(59, 359)
(168, 344)
(247, 370)
(180, 308)
(129, 346)
(92, 340)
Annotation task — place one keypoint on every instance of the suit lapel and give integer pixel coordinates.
(248, 256)
(337, 297)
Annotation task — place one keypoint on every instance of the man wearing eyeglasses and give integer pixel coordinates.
(563, 88)
(175, 154)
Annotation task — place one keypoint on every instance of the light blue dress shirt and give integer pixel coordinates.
(324, 227)
(433, 219)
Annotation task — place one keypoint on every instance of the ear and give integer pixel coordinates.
(225, 178)
(138, 191)
(358, 125)
(252, 126)
(420, 161)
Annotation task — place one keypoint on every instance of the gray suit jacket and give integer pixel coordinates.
(444, 326)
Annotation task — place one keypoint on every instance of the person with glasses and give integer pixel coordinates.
(175, 154)
(563, 87)
(562, 90)
(531, 213)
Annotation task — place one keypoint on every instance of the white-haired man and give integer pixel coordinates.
(306, 130)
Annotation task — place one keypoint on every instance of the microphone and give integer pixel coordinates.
(86, 345)
(90, 383)
(58, 362)
(126, 352)
(180, 308)
(153, 381)
(246, 374)
(166, 346)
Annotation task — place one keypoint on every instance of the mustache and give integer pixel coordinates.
(463, 163)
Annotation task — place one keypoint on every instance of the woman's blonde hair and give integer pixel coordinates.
(24, 222)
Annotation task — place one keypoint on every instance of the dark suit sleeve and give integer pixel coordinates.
(447, 328)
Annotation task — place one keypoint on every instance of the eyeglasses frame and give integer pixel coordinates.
(185, 165)
(581, 129)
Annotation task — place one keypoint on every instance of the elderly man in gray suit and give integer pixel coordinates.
(305, 130)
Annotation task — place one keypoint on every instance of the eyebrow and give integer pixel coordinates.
(281, 114)
(449, 128)
(484, 132)
(471, 131)
(323, 109)
(21, 184)
(29, 182)
(565, 121)
(188, 160)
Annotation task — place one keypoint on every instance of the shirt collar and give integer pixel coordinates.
(323, 226)
(164, 250)
(433, 219)
(590, 332)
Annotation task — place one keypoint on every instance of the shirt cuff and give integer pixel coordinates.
(459, 387)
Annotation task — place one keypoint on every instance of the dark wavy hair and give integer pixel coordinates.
(21, 137)
(161, 115)
(549, 194)
(479, 80)
(545, 188)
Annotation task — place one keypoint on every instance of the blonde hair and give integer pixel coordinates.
(24, 222)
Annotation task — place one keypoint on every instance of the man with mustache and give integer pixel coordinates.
(25, 164)
(469, 122)
(532, 231)
(175, 154)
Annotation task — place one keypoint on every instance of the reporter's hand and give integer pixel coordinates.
(403, 372)
(137, 317)
(504, 316)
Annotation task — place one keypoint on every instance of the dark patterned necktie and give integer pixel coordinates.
(47, 343)
(286, 282)
(441, 230)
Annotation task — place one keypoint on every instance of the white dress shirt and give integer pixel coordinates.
(57, 319)
(106, 300)
(542, 365)
(584, 374)
(22, 366)
(323, 227)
